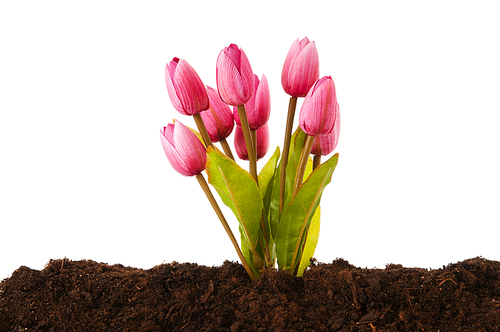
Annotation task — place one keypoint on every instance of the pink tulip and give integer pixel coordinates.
(301, 68)
(183, 149)
(218, 118)
(262, 142)
(258, 108)
(325, 144)
(185, 88)
(317, 114)
(235, 81)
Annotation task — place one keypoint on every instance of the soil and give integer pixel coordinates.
(89, 296)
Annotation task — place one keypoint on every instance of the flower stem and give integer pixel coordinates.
(227, 149)
(253, 135)
(316, 161)
(301, 167)
(203, 130)
(248, 141)
(286, 148)
(206, 189)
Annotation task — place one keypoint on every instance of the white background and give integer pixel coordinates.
(82, 99)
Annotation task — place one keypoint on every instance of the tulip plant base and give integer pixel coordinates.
(88, 296)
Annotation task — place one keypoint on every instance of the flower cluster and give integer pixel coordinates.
(277, 209)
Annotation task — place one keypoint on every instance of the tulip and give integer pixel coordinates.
(325, 144)
(235, 82)
(188, 156)
(301, 68)
(234, 75)
(185, 88)
(184, 150)
(317, 117)
(300, 71)
(317, 114)
(258, 108)
(218, 118)
(262, 135)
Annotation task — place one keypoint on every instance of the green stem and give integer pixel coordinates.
(316, 161)
(253, 135)
(286, 148)
(227, 149)
(203, 130)
(301, 167)
(206, 189)
(248, 141)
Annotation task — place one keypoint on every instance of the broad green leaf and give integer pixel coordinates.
(296, 143)
(274, 205)
(293, 161)
(297, 216)
(311, 242)
(247, 253)
(266, 177)
(267, 172)
(239, 191)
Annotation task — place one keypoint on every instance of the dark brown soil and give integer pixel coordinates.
(89, 296)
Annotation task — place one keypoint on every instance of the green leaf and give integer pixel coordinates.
(296, 143)
(267, 173)
(298, 140)
(266, 180)
(311, 242)
(239, 191)
(248, 254)
(297, 216)
(274, 206)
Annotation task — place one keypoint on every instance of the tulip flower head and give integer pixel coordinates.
(258, 108)
(185, 88)
(218, 118)
(301, 68)
(325, 144)
(317, 114)
(184, 150)
(262, 142)
(234, 75)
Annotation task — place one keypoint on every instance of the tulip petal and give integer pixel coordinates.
(190, 89)
(169, 74)
(262, 104)
(317, 114)
(173, 156)
(218, 118)
(301, 68)
(189, 148)
(306, 69)
(234, 53)
(235, 81)
(185, 88)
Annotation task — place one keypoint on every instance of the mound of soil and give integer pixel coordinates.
(88, 296)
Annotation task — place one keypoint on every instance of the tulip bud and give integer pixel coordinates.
(325, 144)
(258, 108)
(218, 118)
(235, 81)
(317, 114)
(185, 88)
(301, 68)
(184, 150)
(262, 142)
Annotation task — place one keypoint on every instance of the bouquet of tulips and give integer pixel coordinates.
(277, 209)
